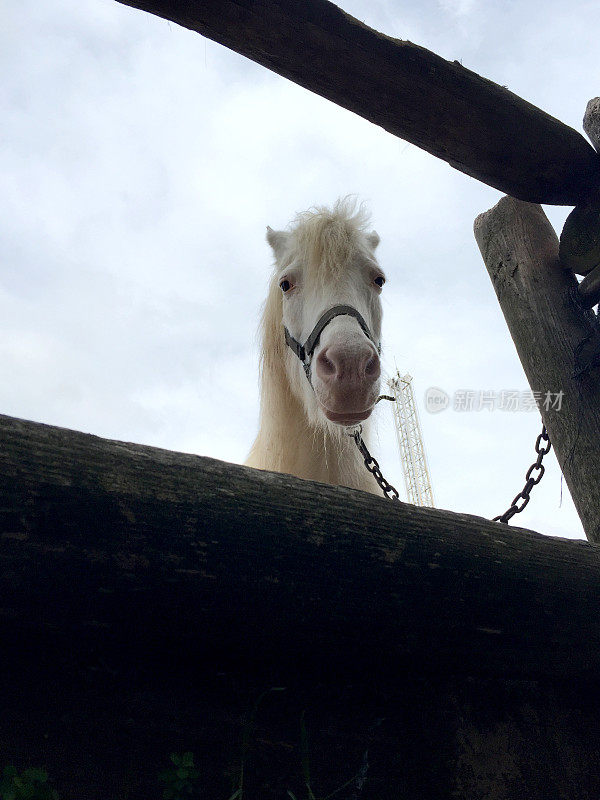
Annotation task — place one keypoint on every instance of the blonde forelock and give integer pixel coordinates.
(324, 239)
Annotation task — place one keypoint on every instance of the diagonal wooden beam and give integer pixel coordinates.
(478, 127)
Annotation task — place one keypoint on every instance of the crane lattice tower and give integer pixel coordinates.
(410, 442)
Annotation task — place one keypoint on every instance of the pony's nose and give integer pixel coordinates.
(344, 366)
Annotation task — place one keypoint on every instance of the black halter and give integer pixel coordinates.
(305, 351)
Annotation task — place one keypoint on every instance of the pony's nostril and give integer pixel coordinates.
(372, 368)
(325, 366)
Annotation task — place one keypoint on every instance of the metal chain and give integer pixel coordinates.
(516, 507)
(371, 464)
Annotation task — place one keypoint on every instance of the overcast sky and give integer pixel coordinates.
(141, 164)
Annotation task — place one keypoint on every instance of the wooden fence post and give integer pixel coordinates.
(557, 339)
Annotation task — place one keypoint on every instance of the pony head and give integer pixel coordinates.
(326, 259)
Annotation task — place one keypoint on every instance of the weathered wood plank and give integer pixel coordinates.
(557, 339)
(112, 545)
(478, 127)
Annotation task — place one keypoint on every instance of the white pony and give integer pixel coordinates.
(320, 371)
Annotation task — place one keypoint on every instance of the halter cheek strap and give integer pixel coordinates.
(305, 351)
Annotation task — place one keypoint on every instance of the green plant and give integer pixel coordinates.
(31, 784)
(182, 780)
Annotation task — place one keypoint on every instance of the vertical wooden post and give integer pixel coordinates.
(557, 340)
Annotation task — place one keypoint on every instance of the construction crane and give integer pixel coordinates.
(410, 442)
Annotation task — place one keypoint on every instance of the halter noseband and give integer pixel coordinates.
(305, 351)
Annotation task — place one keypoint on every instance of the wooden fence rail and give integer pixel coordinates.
(149, 598)
(103, 542)
(475, 125)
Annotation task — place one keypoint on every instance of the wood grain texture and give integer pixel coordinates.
(579, 248)
(113, 545)
(475, 125)
(149, 598)
(589, 288)
(557, 339)
(591, 122)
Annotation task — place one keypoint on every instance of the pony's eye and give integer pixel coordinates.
(380, 280)
(285, 285)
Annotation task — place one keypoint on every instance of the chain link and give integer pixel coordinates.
(371, 464)
(517, 505)
(521, 500)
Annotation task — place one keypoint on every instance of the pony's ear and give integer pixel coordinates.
(373, 239)
(278, 241)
